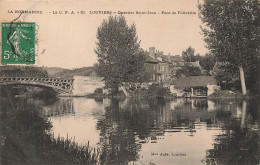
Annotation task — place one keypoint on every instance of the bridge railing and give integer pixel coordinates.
(36, 79)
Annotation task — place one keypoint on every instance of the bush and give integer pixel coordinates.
(225, 93)
(156, 90)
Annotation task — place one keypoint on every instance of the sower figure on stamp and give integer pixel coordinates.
(15, 41)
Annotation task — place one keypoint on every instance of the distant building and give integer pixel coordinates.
(158, 66)
(163, 67)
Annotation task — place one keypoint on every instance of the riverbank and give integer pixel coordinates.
(221, 94)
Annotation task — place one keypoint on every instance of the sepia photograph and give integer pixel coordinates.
(123, 82)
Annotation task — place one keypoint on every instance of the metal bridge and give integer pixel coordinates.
(60, 85)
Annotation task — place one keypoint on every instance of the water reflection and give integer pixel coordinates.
(180, 131)
(76, 118)
(59, 108)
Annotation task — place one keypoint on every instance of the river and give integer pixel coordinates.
(178, 131)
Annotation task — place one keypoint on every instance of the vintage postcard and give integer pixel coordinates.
(145, 82)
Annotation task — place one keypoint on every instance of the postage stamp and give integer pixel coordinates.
(18, 43)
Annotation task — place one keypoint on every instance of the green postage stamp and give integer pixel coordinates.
(18, 43)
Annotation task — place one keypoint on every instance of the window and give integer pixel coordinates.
(153, 76)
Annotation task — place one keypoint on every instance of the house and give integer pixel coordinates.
(176, 61)
(194, 86)
(163, 68)
(157, 66)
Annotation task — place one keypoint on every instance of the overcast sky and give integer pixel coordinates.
(68, 40)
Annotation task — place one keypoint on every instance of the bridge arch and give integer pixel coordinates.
(62, 86)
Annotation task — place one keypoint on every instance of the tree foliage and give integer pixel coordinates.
(231, 31)
(207, 62)
(221, 72)
(188, 70)
(188, 55)
(156, 90)
(120, 58)
(228, 80)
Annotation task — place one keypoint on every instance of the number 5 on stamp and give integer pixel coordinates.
(18, 43)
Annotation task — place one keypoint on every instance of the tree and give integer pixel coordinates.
(188, 55)
(188, 70)
(119, 57)
(227, 79)
(145, 76)
(232, 33)
(207, 62)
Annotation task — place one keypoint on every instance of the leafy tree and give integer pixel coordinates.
(188, 55)
(145, 76)
(198, 57)
(188, 70)
(227, 80)
(119, 57)
(232, 33)
(207, 62)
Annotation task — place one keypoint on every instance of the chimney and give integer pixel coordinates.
(169, 57)
(152, 52)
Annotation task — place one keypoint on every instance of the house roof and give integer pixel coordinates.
(149, 59)
(164, 60)
(195, 81)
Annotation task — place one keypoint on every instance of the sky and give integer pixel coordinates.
(68, 40)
